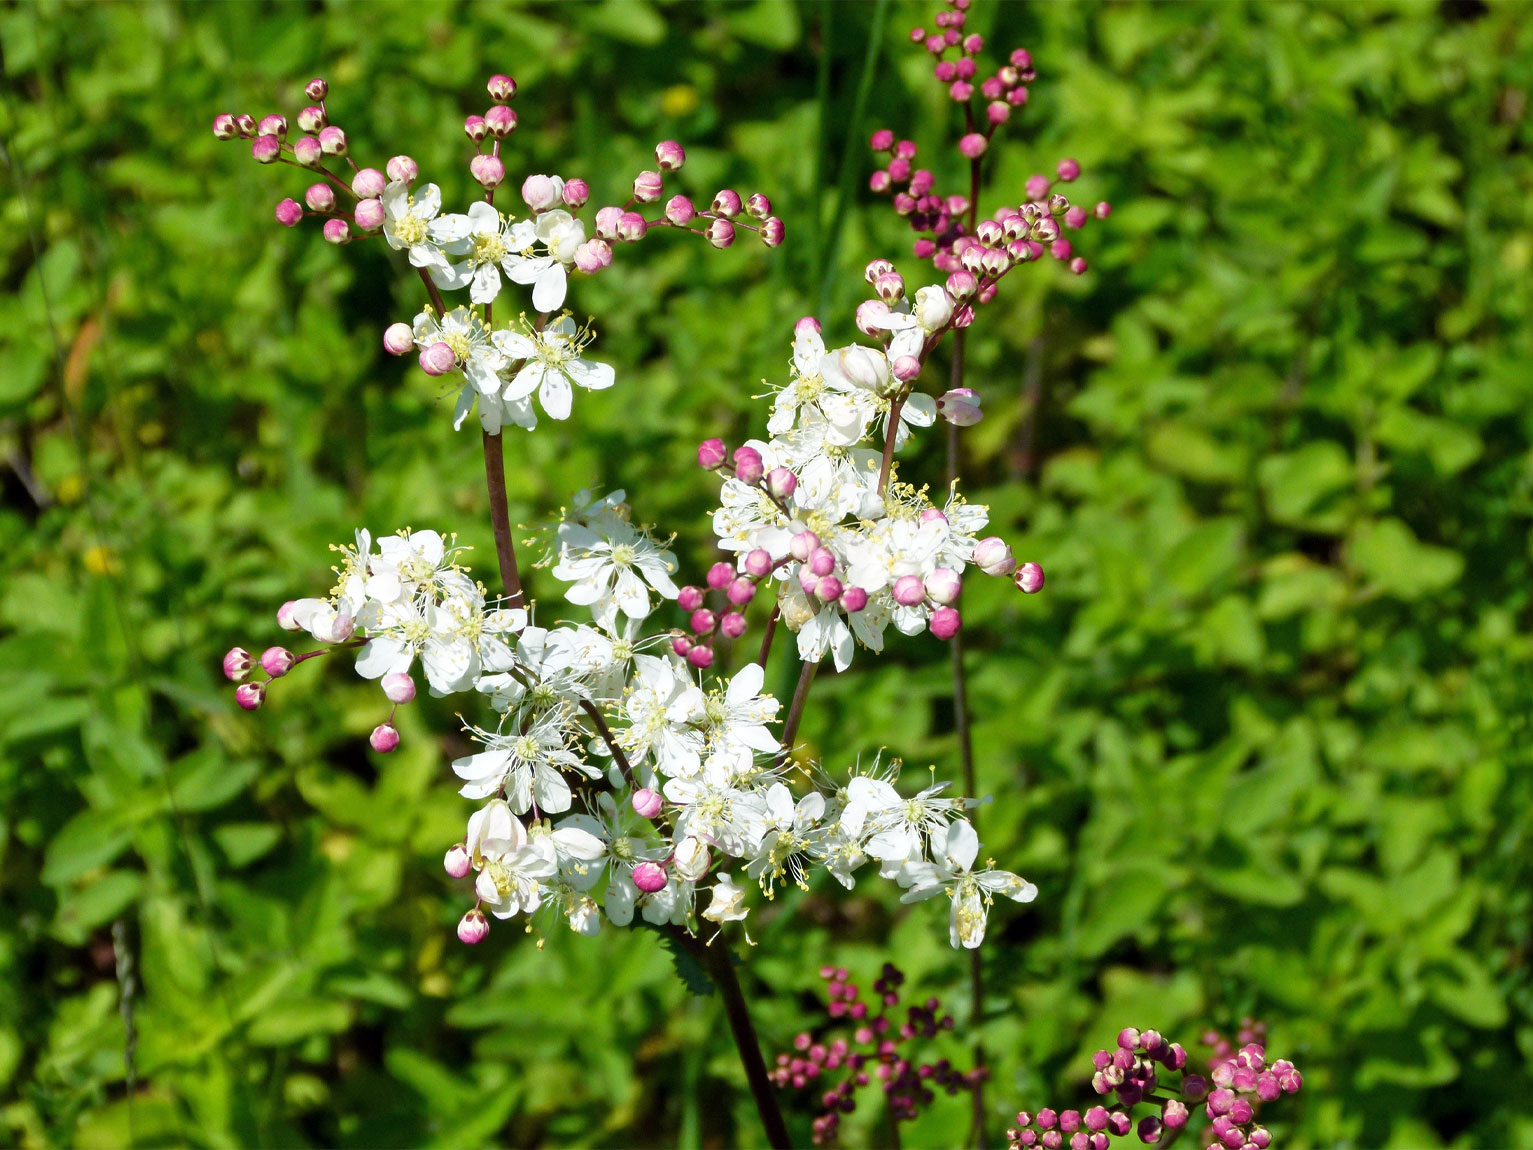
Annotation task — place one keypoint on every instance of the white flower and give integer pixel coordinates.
(735, 722)
(604, 572)
(728, 903)
(407, 223)
(560, 234)
(528, 765)
(552, 363)
(661, 706)
(954, 850)
(484, 236)
(789, 832)
(513, 872)
(464, 332)
(621, 845)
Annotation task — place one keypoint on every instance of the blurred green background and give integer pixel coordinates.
(1263, 743)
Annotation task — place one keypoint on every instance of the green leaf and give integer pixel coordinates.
(1398, 564)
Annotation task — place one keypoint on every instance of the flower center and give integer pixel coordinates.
(489, 249)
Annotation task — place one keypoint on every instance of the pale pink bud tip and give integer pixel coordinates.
(369, 182)
(647, 187)
(679, 211)
(488, 171)
(973, 145)
(307, 152)
(649, 877)
(457, 862)
(773, 232)
(475, 128)
(369, 214)
(711, 454)
(758, 562)
(908, 590)
(647, 803)
(224, 126)
(1029, 577)
(250, 695)
(501, 87)
(757, 206)
(320, 197)
(781, 482)
(385, 738)
(438, 359)
(398, 687)
(1068, 170)
(993, 556)
(285, 618)
(337, 231)
(854, 599)
(906, 368)
(332, 141)
(727, 203)
(402, 168)
(733, 624)
(289, 212)
(748, 465)
(720, 233)
(539, 193)
(944, 585)
(273, 126)
(669, 155)
(266, 149)
(576, 193)
(945, 622)
(802, 545)
(960, 406)
(277, 661)
(501, 121)
(237, 664)
(473, 927)
(398, 338)
(631, 227)
(593, 255)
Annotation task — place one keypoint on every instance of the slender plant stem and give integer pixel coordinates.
(769, 635)
(500, 515)
(895, 405)
(796, 708)
(436, 296)
(719, 962)
(605, 732)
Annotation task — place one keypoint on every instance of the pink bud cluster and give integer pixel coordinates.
(250, 694)
(874, 1051)
(1129, 1074)
(348, 202)
(495, 125)
(950, 234)
(718, 223)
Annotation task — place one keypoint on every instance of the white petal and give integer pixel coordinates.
(555, 394)
(548, 289)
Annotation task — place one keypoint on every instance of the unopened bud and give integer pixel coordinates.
(501, 121)
(457, 862)
(237, 665)
(647, 187)
(758, 563)
(854, 599)
(369, 214)
(576, 193)
(332, 141)
(876, 268)
(870, 316)
(822, 561)
(337, 231)
(690, 598)
(719, 575)
(679, 210)
(307, 153)
(669, 156)
(266, 149)
(316, 89)
(402, 168)
(501, 87)
(398, 687)
(720, 233)
(890, 287)
(593, 255)
(368, 183)
(741, 591)
(647, 803)
(773, 231)
(701, 657)
(488, 171)
(748, 466)
(727, 204)
(438, 358)
(702, 621)
(974, 145)
(224, 126)
(944, 585)
(828, 589)
(1029, 577)
(631, 227)
(781, 482)
(539, 193)
(649, 877)
(277, 661)
(273, 125)
(945, 623)
(802, 545)
(711, 454)
(962, 285)
(398, 338)
(882, 140)
(905, 368)
(320, 197)
(757, 206)
(285, 618)
(312, 119)
(245, 124)
(733, 623)
(473, 927)
(384, 738)
(908, 590)
(250, 696)
(289, 212)
(960, 406)
(475, 128)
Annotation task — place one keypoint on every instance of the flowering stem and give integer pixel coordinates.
(895, 405)
(796, 709)
(500, 515)
(720, 964)
(605, 732)
(771, 632)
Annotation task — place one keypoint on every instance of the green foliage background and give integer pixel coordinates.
(1263, 743)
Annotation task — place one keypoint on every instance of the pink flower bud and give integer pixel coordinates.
(438, 358)
(369, 214)
(908, 590)
(945, 623)
(384, 738)
(748, 465)
(245, 124)
(924, 249)
(700, 657)
(337, 231)
(806, 324)
(773, 232)
(1060, 249)
(316, 89)
(368, 183)
(457, 862)
(224, 126)
(631, 227)
(475, 128)
(681, 645)
(960, 91)
(289, 212)
(669, 156)
(946, 72)
(647, 187)
(741, 591)
(312, 119)
(711, 454)
(488, 171)
(473, 927)
(822, 561)
(727, 204)
(332, 141)
(974, 145)
(679, 210)
(398, 338)
(690, 598)
(1078, 266)
(870, 314)
(539, 193)
(649, 877)
(890, 287)
(576, 193)
(905, 150)
(647, 804)
(1175, 1115)
(802, 545)
(960, 406)
(781, 482)
(899, 170)
(702, 621)
(501, 87)
(719, 576)
(905, 368)
(757, 206)
(1037, 187)
(237, 664)
(1075, 217)
(250, 696)
(594, 255)
(273, 125)
(997, 112)
(733, 624)
(882, 140)
(266, 149)
(973, 43)
(758, 563)
(854, 599)
(879, 182)
(277, 661)
(944, 585)
(307, 153)
(1029, 577)
(606, 222)
(1103, 210)
(807, 579)
(285, 618)
(720, 233)
(398, 687)
(402, 168)
(962, 285)
(1068, 170)
(828, 589)
(501, 121)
